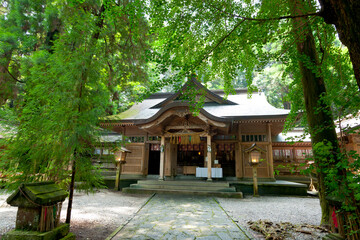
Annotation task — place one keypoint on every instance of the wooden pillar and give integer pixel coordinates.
(270, 152)
(238, 155)
(145, 159)
(256, 190)
(213, 151)
(209, 162)
(169, 156)
(173, 160)
(162, 158)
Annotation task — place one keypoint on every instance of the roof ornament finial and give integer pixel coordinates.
(193, 75)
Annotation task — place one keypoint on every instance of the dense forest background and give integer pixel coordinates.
(64, 65)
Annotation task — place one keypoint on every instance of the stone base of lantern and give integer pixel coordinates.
(59, 233)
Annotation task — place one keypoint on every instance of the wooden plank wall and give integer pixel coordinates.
(134, 159)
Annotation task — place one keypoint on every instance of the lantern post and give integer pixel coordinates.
(254, 160)
(120, 159)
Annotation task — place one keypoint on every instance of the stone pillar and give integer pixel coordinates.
(209, 162)
(270, 152)
(162, 159)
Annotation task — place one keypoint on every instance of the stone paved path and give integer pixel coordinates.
(181, 217)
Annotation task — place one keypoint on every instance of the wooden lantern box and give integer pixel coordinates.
(39, 206)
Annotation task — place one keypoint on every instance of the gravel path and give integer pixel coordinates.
(7, 215)
(95, 216)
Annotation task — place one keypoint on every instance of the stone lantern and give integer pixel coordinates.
(254, 160)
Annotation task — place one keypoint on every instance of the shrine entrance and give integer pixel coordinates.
(189, 157)
(186, 147)
(154, 159)
(225, 158)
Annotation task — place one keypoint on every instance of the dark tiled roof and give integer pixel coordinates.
(236, 107)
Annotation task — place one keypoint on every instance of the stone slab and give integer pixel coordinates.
(168, 216)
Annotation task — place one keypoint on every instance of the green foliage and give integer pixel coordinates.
(275, 84)
(194, 36)
(74, 60)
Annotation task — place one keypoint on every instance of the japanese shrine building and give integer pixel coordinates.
(166, 139)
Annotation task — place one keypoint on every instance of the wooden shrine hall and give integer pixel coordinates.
(166, 139)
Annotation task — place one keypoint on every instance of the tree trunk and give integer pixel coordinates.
(71, 193)
(7, 82)
(318, 114)
(344, 14)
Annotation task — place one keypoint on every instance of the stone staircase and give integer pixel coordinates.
(217, 189)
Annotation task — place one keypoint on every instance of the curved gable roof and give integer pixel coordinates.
(238, 107)
(198, 86)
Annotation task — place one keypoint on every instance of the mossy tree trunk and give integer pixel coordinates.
(331, 165)
(318, 113)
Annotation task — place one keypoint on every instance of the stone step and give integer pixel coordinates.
(333, 236)
(200, 187)
(108, 172)
(183, 183)
(183, 192)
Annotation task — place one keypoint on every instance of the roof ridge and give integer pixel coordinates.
(208, 93)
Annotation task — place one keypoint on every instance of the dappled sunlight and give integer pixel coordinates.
(190, 226)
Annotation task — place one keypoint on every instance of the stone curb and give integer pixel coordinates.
(113, 234)
(246, 233)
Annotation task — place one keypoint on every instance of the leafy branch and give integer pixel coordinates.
(13, 77)
(206, 55)
(266, 19)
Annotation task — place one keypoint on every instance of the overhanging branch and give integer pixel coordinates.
(218, 44)
(17, 80)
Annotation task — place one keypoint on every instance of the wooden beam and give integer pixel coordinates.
(211, 122)
(191, 126)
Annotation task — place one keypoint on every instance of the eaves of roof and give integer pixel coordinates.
(180, 105)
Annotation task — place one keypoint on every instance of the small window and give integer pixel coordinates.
(253, 138)
(224, 137)
(136, 139)
(154, 138)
